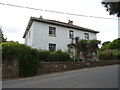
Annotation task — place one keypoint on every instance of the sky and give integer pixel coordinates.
(14, 20)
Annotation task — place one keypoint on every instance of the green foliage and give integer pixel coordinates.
(104, 43)
(28, 57)
(43, 55)
(0, 46)
(112, 7)
(2, 39)
(29, 62)
(110, 51)
(109, 55)
(56, 56)
(105, 47)
(91, 44)
(59, 56)
(85, 48)
(114, 45)
(10, 50)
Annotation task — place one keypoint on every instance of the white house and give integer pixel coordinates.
(53, 35)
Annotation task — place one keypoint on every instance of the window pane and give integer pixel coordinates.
(86, 36)
(71, 34)
(52, 31)
(52, 47)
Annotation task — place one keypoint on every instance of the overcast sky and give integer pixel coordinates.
(14, 20)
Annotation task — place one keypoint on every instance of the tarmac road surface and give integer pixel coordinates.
(99, 77)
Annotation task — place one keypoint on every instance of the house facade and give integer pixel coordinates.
(53, 35)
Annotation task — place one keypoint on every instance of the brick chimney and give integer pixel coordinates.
(70, 22)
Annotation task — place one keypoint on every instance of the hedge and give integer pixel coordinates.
(30, 58)
(59, 56)
(109, 55)
(110, 51)
(114, 45)
(43, 55)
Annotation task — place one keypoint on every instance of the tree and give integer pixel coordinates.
(104, 43)
(114, 45)
(112, 7)
(2, 39)
(110, 51)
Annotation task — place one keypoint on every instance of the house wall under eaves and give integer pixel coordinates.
(40, 39)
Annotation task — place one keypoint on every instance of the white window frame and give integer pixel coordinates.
(86, 36)
(71, 34)
(52, 47)
(52, 31)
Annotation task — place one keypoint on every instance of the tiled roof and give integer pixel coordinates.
(56, 23)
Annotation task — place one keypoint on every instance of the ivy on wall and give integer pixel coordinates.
(85, 49)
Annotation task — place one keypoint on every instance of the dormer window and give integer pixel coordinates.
(52, 31)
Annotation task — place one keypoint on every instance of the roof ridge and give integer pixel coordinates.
(63, 23)
(57, 23)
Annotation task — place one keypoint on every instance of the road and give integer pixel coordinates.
(99, 77)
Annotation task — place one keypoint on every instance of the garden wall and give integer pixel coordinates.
(51, 67)
(10, 68)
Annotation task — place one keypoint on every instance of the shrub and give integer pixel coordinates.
(105, 47)
(59, 56)
(114, 45)
(110, 51)
(108, 55)
(53, 57)
(43, 55)
(10, 50)
(63, 56)
(28, 57)
(29, 63)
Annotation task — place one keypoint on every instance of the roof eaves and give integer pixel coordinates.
(64, 24)
(28, 27)
(56, 23)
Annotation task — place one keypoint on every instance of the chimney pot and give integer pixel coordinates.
(41, 17)
(70, 22)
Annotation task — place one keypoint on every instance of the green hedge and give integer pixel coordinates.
(110, 51)
(109, 55)
(114, 45)
(30, 58)
(59, 56)
(43, 55)
(27, 57)
(56, 56)
(29, 63)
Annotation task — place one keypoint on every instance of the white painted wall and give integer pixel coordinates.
(29, 37)
(119, 27)
(40, 36)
